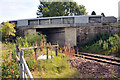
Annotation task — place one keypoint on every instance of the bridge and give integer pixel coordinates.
(61, 29)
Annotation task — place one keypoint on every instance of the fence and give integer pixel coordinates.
(23, 66)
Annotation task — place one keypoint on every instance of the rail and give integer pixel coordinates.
(24, 68)
(100, 58)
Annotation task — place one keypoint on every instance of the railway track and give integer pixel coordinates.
(100, 58)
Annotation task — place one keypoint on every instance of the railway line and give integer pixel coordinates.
(100, 58)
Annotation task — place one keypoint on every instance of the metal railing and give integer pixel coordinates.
(24, 68)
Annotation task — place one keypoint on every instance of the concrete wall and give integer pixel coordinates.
(68, 20)
(119, 11)
(45, 21)
(94, 19)
(81, 19)
(59, 20)
(56, 21)
(54, 35)
(22, 23)
(33, 22)
(70, 36)
(86, 33)
(57, 36)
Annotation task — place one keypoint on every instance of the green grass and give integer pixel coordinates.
(58, 67)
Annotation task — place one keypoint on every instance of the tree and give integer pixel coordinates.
(49, 9)
(8, 30)
(103, 14)
(93, 13)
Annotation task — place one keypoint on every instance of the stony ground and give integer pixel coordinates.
(94, 69)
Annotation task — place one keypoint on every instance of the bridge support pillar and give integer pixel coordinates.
(70, 36)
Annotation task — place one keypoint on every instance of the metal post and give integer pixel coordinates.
(25, 75)
(21, 65)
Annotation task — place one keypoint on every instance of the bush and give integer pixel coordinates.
(8, 30)
(104, 45)
(29, 39)
(6, 62)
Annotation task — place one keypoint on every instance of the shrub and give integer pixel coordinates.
(104, 45)
(8, 30)
(29, 39)
(6, 62)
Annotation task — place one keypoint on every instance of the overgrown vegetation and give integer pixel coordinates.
(8, 30)
(58, 67)
(103, 44)
(9, 58)
(118, 24)
(10, 68)
(29, 40)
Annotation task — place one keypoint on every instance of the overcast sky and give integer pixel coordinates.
(23, 9)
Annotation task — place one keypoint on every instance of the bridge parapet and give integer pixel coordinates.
(84, 19)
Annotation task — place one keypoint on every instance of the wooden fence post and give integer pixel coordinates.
(75, 48)
(47, 52)
(17, 50)
(35, 53)
(21, 64)
(56, 51)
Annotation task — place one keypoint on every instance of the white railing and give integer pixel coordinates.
(24, 68)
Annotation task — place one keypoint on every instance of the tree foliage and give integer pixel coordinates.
(49, 9)
(8, 30)
(103, 14)
(93, 13)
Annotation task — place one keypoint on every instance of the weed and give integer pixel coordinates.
(104, 46)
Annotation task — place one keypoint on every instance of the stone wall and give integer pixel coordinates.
(109, 19)
(86, 33)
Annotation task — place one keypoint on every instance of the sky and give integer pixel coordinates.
(24, 9)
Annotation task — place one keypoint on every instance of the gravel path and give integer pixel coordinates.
(94, 69)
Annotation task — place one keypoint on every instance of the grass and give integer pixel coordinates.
(58, 67)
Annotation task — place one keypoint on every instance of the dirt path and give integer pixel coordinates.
(94, 69)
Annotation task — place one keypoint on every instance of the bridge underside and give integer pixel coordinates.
(53, 35)
(61, 35)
